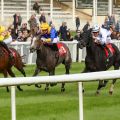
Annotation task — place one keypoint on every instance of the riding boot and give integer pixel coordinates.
(6, 47)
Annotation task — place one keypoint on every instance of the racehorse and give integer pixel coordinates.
(6, 63)
(48, 58)
(96, 58)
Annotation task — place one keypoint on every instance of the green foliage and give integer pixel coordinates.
(38, 104)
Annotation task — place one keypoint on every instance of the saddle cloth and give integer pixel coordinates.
(61, 49)
(57, 47)
(111, 49)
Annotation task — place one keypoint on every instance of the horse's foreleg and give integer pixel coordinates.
(51, 84)
(13, 75)
(100, 85)
(67, 68)
(84, 71)
(36, 72)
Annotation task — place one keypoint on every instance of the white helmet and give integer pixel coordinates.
(95, 28)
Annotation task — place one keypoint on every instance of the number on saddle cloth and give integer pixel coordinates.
(61, 48)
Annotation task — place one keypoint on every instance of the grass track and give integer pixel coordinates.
(36, 104)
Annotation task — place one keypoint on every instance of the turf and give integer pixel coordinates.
(36, 104)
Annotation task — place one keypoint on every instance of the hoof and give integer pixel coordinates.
(53, 84)
(62, 89)
(38, 86)
(110, 92)
(83, 91)
(97, 93)
(20, 89)
(7, 89)
(46, 89)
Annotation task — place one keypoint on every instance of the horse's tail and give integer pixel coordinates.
(117, 53)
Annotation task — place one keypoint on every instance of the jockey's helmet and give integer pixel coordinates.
(44, 26)
(95, 28)
(2, 29)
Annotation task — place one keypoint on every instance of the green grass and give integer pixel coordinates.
(36, 104)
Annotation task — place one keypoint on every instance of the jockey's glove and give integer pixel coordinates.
(48, 40)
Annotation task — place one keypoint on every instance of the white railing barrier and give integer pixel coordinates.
(23, 48)
(83, 77)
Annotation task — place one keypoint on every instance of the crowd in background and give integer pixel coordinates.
(20, 31)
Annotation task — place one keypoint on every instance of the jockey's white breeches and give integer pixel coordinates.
(105, 38)
(8, 40)
(55, 40)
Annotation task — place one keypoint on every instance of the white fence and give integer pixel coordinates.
(83, 77)
(30, 58)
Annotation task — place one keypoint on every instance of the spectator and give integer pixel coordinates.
(25, 35)
(36, 7)
(63, 31)
(42, 18)
(117, 26)
(20, 36)
(77, 23)
(23, 27)
(37, 20)
(86, 27)
(49, 19)
(12, 32)
(112, 19)
(15, 20)
(68, 36)
(78, 38)
(19, 20)
(32, 22)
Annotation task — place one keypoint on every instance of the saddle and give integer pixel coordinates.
(57, 47)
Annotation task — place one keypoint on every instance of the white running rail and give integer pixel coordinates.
(23, 48)
(83, 77)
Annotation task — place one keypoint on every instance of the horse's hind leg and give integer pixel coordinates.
(13, 75)
(116, 67)
(67, 68)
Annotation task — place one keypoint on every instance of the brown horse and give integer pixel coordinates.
(6, 63)
(49, 57)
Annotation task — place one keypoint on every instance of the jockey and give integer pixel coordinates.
(102, 35)
(5, 38)
(49, 34)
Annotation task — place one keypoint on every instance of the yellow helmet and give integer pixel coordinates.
(44, 26)
(2, 29)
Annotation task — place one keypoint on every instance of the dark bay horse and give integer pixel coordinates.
(48, 59)
(96, 59)
(6, 63)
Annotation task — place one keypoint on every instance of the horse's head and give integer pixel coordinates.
(85, 39)
(35, 43)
